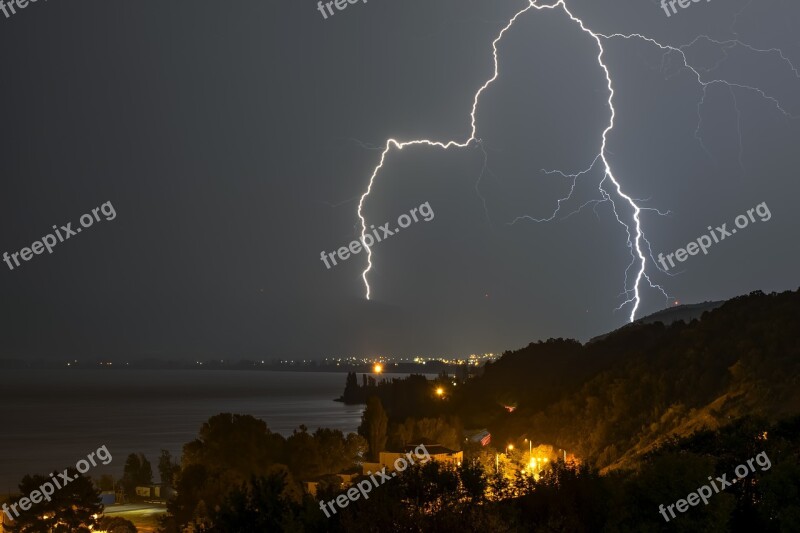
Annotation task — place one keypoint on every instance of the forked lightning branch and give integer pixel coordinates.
(610, 187)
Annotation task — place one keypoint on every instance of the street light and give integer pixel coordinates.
(531, 462)
(497, 458)
(440, 392)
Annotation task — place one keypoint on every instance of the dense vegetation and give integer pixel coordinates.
(72, 508)
(567, 498)
(614, 399)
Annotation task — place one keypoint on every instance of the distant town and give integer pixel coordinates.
(376, 364)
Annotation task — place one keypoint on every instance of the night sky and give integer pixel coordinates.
(234, 140)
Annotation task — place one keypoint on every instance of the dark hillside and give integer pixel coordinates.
(619, 396)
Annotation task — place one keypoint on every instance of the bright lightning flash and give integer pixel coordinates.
(636, 238)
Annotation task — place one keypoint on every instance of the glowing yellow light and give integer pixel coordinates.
(439, 391)
(378, 368)
(510, 446)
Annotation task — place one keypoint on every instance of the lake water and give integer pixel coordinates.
(50, 419)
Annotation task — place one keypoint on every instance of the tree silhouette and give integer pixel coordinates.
(137, 472)
(374, 424)
(71, 509)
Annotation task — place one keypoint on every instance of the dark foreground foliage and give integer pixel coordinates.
(435, 497)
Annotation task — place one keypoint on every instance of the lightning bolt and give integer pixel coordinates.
(636, 239)
(439, 144)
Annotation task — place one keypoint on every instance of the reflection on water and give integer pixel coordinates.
(53, 418)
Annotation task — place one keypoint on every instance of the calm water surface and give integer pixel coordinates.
(53, 418)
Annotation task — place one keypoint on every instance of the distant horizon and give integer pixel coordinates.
(276, 360)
